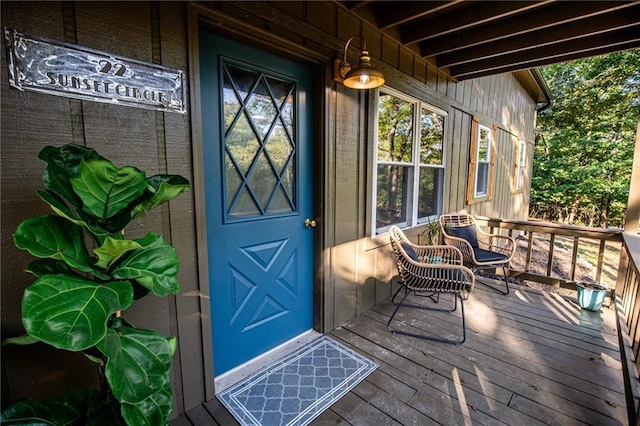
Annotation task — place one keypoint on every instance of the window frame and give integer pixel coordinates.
(474, 148)
(415, 166)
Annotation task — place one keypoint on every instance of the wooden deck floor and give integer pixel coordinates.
(530, 358)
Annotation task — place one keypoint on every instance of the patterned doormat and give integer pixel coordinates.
(298, 387)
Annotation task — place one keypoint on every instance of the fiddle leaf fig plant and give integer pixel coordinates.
(87, 275)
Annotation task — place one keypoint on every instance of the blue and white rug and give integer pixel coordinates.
(298, 387)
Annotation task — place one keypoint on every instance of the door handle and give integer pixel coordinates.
(310, 223)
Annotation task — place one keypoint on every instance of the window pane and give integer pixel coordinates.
(523, 154)
(484, 145)
(395, 129)
(520, 178)
(482, 178)
(429, 191)
(431, 137)
(392, 195)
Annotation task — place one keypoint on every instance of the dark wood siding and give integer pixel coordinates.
(152, 141)
(355, 271)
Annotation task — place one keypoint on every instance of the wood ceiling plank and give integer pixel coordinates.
(474, 15)
(577, 49)
(560, 13)
(588, 27)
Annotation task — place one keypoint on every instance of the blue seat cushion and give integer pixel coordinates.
(465, 232)
(410, 252)
(488, 256)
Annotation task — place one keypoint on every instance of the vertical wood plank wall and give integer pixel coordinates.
(152, 141)
(357, 270)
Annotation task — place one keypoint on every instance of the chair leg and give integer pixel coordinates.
(425, 336)
(506, 282)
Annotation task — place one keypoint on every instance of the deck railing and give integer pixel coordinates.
(625, 269)
(607, 240)
(628, 309)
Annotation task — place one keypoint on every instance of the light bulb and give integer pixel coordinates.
(364, 79)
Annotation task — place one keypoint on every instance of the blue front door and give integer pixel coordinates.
(257, 136)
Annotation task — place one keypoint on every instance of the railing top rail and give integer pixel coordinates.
(555, 228)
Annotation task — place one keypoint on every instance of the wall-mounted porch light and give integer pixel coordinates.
(364, 76)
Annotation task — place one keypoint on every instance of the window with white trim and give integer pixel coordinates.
(481, 162)
(409, 161)
(520, 165)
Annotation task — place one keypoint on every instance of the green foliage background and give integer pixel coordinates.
(584, 143)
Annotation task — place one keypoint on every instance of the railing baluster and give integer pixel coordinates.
(527, 267)
(600, 260)
(552, 243)
(574, 257)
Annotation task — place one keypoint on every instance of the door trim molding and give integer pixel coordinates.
(227, 25)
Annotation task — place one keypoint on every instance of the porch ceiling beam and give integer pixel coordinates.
(556, 14)
(475, 15)
(491, 67)
(391, 15)
(551, 36)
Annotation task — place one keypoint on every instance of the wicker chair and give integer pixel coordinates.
(429, 271)
(480, 250)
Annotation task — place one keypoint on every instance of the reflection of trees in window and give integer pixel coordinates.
(431, 137)
(409, 154)
(395, 136)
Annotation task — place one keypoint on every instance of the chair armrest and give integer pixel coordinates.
(498, 243)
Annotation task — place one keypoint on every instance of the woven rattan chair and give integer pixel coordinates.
(480, 250)
(429, 271)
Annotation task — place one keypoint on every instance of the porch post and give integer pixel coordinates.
(633, 204)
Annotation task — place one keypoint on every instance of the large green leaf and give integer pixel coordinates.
(40, 267)
(151, 411)
(58, 205)
(62, 164)
(112, 249)
(53, 237)
(71, 312)
(68, 410)
(106, 190)
(138, 362)
(165, 188)
(23, 340)
(154, 266)
(104, 413)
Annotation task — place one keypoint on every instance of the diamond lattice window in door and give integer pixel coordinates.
(260, 146)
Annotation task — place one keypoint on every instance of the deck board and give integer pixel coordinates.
(530, 358)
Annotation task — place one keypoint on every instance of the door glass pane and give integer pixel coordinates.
(261, 109)
(279, 147)
(260, 143)
(395, 129)
(242, 144)
(392, 193)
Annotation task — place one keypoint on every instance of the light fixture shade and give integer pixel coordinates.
(364, 76)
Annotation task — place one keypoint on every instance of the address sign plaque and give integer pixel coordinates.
(49, 66)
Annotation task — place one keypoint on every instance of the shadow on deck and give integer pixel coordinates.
(530, 358)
